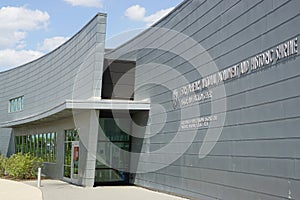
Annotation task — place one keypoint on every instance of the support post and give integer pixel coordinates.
(39, 177)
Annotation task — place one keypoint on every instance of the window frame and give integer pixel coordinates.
(36, 145)
(16, 104)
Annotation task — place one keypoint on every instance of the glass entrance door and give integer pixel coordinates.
(117, 172)
(112, 160)
(71, 155)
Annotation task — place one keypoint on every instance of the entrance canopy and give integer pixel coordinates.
(68, 108)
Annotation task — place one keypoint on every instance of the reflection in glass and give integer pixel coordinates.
(39, 145)
(114, 162)
(71, 135)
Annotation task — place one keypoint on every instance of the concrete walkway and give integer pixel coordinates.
(13, 190)
(59, 190)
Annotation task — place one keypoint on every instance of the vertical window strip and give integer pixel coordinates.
(42, 145)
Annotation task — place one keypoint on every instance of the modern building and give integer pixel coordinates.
(203, 104)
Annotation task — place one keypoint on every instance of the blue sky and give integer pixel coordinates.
(32, 28)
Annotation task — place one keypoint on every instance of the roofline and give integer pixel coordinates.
(71, 38)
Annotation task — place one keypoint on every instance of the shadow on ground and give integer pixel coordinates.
(59, 190)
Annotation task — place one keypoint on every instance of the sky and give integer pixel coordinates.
(30, 29)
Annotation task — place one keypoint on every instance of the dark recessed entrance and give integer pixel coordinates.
(112, 163)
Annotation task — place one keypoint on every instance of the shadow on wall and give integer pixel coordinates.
(11, 146)
(7, 142)
(118, 79)
(141, 119)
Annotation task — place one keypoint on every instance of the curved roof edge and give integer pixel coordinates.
(66, 42)
(167, 15)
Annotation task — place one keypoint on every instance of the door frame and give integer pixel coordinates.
(75, 155)
(73, 177)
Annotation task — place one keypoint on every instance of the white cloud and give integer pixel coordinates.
(138, 13)
(16, 22)
(15, 25)
(50, 44)
(135, 12)
(10, 58)
(157, 16)
(85, 3)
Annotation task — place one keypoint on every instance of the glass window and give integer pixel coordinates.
(41, 145)
(33, 149)
(110, 143)
(53, 147)
(28, 141)
(24, 144)
(45, 146)
(18, 144)
(36, 139)
(48, 147)
(16, 104)
(22, 102)
(13, 106)
(10, 107)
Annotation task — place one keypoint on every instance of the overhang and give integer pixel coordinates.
(69, 107)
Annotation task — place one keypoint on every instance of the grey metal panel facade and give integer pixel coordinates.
(6, 142)
(257, 155)
(72, 72)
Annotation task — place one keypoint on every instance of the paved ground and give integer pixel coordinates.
(58, 190)
(12, 190)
